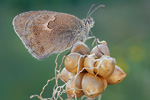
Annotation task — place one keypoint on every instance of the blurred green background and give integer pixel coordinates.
(124, 24)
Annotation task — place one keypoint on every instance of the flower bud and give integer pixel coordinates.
(65, 75)
(104, 83)
(74, 86)
(105, 66)
(101, 49)
(117, 76)
(74, 62)
(80, 48)
(89, 63)
(92, 85)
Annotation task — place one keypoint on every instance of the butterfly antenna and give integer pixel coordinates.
(89, 11)
(95, 10)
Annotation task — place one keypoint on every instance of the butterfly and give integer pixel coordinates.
(46, 32)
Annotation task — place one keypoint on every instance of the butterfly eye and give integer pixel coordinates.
(88, 21)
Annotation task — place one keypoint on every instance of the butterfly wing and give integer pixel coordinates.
(47, 32)
(20, 20)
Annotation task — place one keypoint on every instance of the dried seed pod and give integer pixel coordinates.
(65, 75)
(89, 62)
(105, 66)
(117, 76)
(101, 48)
(74, 86)
(81, 48)
(92, 85)
(74, 62)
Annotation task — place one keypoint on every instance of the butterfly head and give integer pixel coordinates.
(88, 22)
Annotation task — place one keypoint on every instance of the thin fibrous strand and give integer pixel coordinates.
(56, 80)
